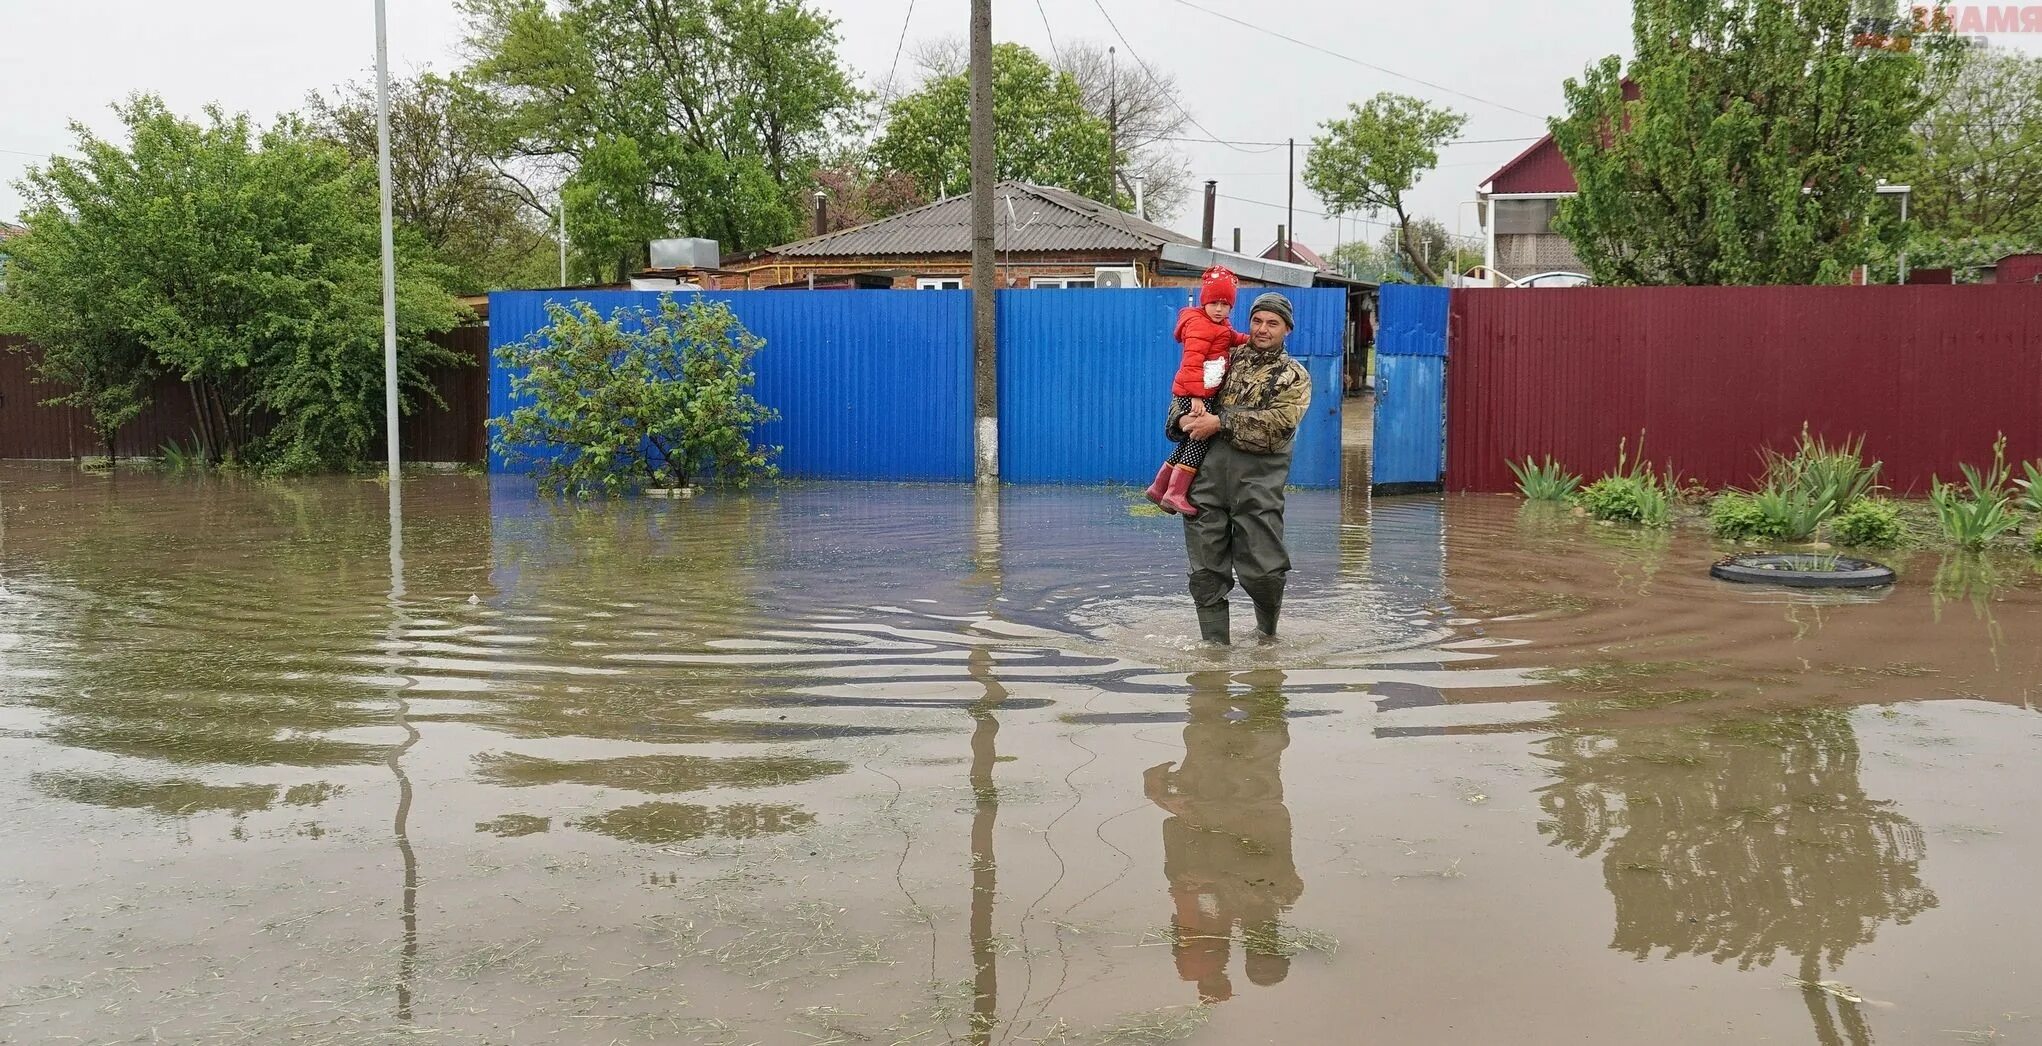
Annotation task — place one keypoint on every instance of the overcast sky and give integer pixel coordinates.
(1499, 61)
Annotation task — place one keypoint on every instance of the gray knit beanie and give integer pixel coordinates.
(1273, 302)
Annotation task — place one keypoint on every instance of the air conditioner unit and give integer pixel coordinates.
(685, 253)
(1116, 277)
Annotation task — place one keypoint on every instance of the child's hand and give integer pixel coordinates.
(1197, 408)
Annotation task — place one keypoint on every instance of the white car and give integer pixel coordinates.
(1553, 279)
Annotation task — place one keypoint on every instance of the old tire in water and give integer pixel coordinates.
(1803, 571)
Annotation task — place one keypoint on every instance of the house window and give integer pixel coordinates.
(1063, 282)
(1525, 217)
(940, 283)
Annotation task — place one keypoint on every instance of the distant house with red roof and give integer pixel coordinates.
(1519, 203)
(1296, 253)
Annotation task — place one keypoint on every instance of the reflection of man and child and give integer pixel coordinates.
(1227, 843)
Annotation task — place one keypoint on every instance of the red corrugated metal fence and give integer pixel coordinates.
(29, 429)
(1927, 375)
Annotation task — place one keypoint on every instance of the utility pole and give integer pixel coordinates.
(389, 251)
(985, 360)
(563, 241)
(1290, 206)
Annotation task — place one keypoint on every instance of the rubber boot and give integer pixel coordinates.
(1214, 625)
(1267, 609)
(1162, 484)
(1175, 499)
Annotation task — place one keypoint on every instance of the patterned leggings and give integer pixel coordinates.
(1190, 453)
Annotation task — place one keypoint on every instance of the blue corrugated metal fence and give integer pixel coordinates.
(876, 385)
(1410, 435)
(869, 384)
(1085, 383)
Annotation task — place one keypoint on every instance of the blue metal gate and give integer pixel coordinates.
(1409, 453)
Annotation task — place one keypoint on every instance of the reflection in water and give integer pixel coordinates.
(176, 797)
(1739, 841)
(407, 960)
(985, 813)
(653, 774)
(1227, 843)
(985, 733)
(679, 822)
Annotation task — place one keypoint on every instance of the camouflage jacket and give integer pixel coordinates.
(1262, 401)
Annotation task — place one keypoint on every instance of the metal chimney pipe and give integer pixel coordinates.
(1212, 189)
(1282, 243)
(822, 212)
(1237, 239)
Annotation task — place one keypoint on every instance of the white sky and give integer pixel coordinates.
(64, 61)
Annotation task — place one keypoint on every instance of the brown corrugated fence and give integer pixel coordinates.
(29, 429)
(1927, 375)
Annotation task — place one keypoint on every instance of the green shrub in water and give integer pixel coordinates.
(1979, 512)
(1819, 472)
(639, 399)
(1631, 493)
(1547, 482)
(2031, 486)
(1871, 523)
(1737, 517)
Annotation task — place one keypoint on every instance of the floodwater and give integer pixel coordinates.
(871, 764)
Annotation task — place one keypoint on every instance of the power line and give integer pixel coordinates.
(1047, 31)
(898, 47)
(1354, 60)
(1193, 120)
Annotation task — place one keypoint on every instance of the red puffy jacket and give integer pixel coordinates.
(1204, 342)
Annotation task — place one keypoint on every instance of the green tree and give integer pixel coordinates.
(1042, 131)
(1753, 145)
(446, 184)
(641, 399)
(1367, 161)
(1977, 180)
(247, 264)
(663, 117)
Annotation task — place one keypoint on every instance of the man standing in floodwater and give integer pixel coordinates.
(1238, 532)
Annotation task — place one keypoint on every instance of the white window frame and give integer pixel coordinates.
(1063, 282)
(939, 283)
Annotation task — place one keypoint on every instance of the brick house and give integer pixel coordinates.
(1519, 203)
(1043, 238)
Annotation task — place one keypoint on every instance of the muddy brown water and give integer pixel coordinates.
(870, 764)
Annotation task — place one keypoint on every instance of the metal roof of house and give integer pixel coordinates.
(1539, 169)
(1299, 254)
(1043, 219)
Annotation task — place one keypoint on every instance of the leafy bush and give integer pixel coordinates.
(1736, 516)
(2035, 542)
(641, 399)
(244, 262)
(1982, 510)
(1547, 482)
(1821, 472)
(1631, 493)
(1871, 523)
(2031, 486)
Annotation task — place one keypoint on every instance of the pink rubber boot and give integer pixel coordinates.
(1176, 498)
(1162, 484)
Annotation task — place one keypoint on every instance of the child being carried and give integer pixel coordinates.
(1208, 342)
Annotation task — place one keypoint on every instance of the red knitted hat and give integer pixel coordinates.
(1217, 285)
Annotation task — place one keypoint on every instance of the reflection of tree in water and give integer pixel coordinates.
(1738, 841)
(1227, 845)
(680, 822)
